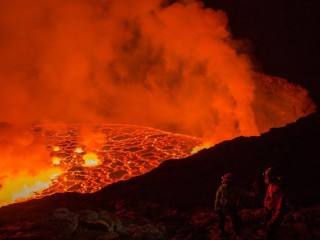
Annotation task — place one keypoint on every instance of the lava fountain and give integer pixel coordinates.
(169, 65)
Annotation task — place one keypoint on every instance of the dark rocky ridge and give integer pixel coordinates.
(191, 183)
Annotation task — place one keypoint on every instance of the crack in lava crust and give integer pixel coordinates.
(116, 152)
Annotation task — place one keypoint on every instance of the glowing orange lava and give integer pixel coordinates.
(56, 161)
(90, 160)
(124, 151)
(78, 150)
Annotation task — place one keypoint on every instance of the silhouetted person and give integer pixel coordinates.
(273, 203)
(227, 203)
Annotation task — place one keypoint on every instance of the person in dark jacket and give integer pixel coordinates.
(273, 203)
(227, 203)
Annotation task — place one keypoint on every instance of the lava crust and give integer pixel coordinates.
(94, 156)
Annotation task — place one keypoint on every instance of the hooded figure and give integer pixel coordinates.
(227, 201)
(273, 202)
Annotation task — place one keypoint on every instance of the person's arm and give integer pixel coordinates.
(244, 193)
(278, 206)
(266, 198)
(217, 205)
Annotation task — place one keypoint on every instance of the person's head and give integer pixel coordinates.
(227, 179)
(270, 175)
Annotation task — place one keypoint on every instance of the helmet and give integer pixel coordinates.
(270, 172)
(228, 178)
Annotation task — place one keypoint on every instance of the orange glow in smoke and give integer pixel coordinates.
(173, 67)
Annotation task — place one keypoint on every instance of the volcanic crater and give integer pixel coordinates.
(94, 156)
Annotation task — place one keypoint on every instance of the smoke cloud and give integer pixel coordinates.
(170, 66)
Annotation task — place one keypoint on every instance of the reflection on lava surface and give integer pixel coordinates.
(94, 156)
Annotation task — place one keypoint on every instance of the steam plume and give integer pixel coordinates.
(169, 66)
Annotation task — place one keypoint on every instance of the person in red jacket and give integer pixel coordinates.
(273, 203)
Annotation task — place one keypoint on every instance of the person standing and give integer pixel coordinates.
(273, 203)
(227, 201)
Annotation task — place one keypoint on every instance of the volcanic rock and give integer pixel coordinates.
(108, 236)
(149, 232)
(88, 216)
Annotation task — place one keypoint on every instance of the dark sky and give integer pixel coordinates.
(284, 36)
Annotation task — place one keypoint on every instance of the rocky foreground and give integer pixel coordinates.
(174, 201)
(144, 223)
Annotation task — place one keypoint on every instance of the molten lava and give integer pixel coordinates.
(125, 151)
(90, 160)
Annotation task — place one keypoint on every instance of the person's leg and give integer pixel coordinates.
(222, 220)
(235, 222)
(272, 230)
